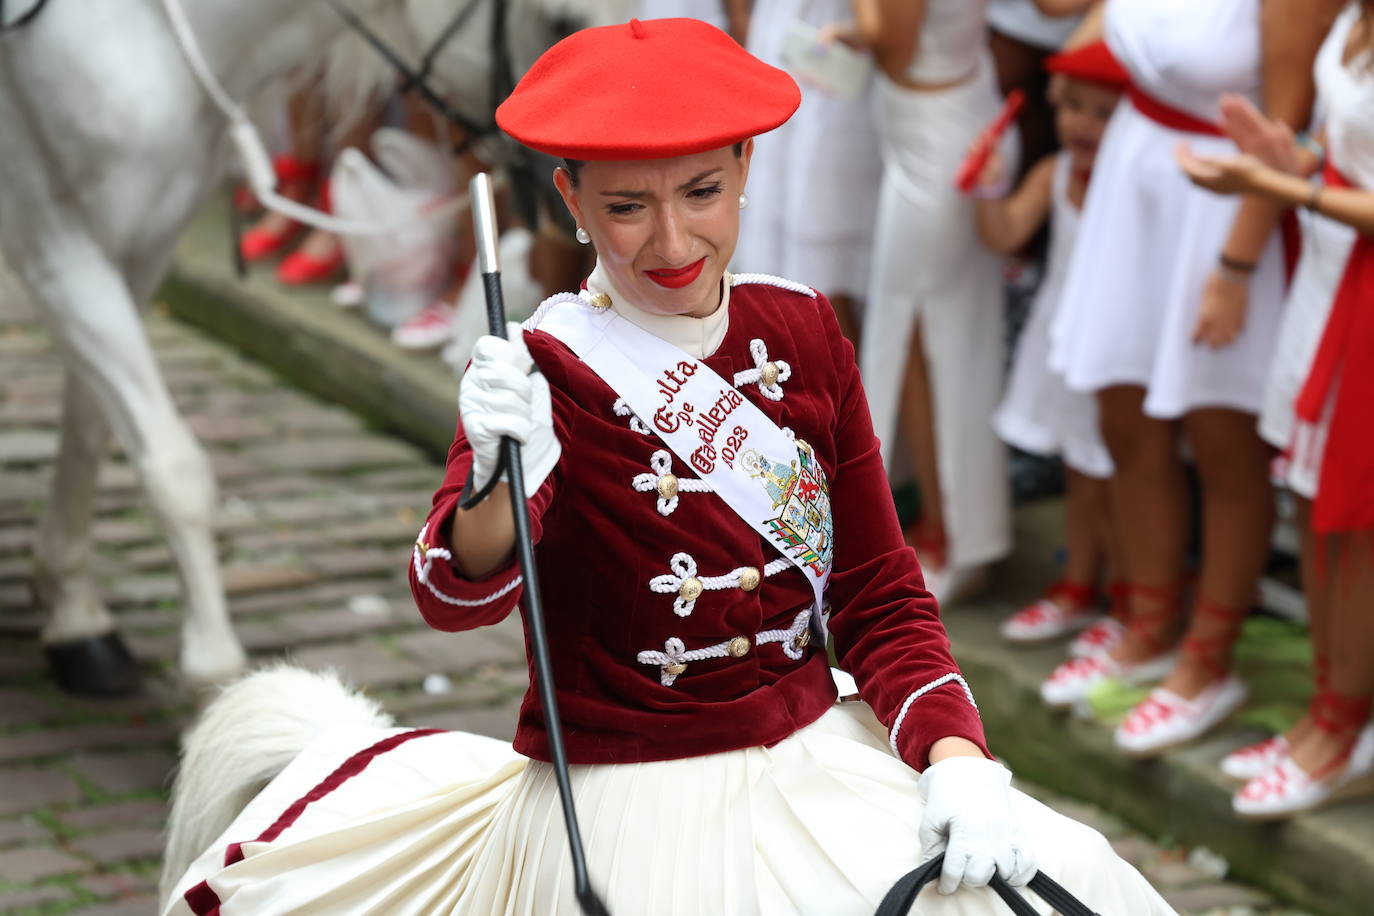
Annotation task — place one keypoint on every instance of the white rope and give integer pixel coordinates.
(621, 408)
(952, 677)
(661, 465)
(789, 636)
(423, 561)
(257, 162)
(759, 350)
(532, 322)
(684, 567)
(770, 280)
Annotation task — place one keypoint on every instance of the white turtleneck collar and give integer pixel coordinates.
(698, 337)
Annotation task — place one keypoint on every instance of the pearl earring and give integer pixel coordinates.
(743, 201)
(583, 235)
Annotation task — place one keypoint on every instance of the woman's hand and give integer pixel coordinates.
(846, 33)
(1267, 139)
(1220, 174)
(1222, 314)
(993, 180)
(968, 817)
(503, 394)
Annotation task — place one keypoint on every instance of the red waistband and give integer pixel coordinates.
(1333, 178)
(1173, 118)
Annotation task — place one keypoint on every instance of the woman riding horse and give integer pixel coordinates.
(708, 500)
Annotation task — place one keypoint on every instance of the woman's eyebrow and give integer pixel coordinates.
(694, 180)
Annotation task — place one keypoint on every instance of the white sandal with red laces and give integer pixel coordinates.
(1286, 789)
(1098, 638)
(1255, 759)
(1164, 719)
(1075, 678)
(1066, 607)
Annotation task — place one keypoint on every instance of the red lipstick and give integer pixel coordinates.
(676, 279)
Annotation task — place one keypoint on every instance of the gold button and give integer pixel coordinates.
(667, 486)
(601, 301)
(749, 578)
(770, 374)
(675, 668)
(691, 589)
(739, 647)
(801, 639)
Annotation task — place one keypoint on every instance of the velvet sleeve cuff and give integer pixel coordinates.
(944, 708)
(447, 600)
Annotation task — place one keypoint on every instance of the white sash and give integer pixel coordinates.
(774, 484)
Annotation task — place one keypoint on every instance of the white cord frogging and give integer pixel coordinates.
(257, 162)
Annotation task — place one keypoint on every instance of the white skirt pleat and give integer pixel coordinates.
(822, 823)
(1146, 244)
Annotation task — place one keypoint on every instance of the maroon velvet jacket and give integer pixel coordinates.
(600, 541)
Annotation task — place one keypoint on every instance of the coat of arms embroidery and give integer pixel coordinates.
(802, 494)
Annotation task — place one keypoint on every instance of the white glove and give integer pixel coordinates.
(503, 394)
(968, 815)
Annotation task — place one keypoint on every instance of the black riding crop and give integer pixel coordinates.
(484, 221)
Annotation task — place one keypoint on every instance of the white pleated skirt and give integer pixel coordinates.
(1326, 247)
(1146, 245)
(822, 823)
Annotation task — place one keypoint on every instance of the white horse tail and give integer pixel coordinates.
(244, 738)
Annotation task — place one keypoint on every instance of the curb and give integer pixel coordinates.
(1323, 861)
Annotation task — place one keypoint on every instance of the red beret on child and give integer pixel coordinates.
(1092, 62)
(646, 90)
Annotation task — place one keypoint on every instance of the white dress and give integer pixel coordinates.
(1020, 19)
(929, 266)
(813, 183)
(1149, 238)
(1345, 95)
(1039, 414)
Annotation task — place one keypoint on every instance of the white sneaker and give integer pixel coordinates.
(1165, 719)
(1255, 759)
(1075, 678)
(1098, 638)
(432, 326)
(1287, 789)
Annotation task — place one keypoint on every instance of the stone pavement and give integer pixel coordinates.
(318, 514)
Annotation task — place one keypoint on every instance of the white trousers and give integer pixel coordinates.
(929, 265)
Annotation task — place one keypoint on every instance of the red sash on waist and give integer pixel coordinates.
(1171, 117)
(1177, 119)
(1345, 491)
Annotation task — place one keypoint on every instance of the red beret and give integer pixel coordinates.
(646, 90)
(1092, 62)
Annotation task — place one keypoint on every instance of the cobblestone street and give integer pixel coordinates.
(317, 517)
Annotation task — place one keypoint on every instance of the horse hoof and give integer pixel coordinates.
(98, 666)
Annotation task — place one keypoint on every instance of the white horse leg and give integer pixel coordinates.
(83, 649)
(94, 317)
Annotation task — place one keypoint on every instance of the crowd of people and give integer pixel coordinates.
(1186, 180)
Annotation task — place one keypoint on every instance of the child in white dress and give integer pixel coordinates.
(1039, 413)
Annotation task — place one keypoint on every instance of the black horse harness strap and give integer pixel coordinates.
(902, 897)
(502, 80)
(24, 18)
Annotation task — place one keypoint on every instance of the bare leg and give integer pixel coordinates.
(1085, 504)
(918, 427)
(1237, 518)
(1348, 565)
(1149, 489)
(1316, 586)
